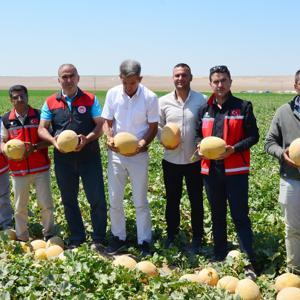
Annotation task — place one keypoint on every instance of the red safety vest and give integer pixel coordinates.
(239, 162)
(38, 161)
(3, 164)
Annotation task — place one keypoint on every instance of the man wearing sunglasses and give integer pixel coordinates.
(33, 169)
(226, 178)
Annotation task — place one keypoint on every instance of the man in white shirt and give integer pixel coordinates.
(181, 107)
(130, 107)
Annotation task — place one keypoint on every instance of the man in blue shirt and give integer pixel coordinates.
(74, 109)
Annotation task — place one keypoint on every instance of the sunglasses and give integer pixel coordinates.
(221, 69)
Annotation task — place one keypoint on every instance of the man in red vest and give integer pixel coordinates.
(22, 123)
(5, 206)
(226, 178)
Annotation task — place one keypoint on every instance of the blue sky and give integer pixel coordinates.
(253, 38)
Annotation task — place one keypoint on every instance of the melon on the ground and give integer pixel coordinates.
(125, 261)
(294, 151)
(67, 140)
(170, 135)
(54, 251)
(286, 280)
(27, 248)
(40, 254)
(247, 289)
(126, 143)
(190, 277)
(234, 254)
(212, 147)
(147, 267)
(228, 283)
(14, 149)
(209, 276)
(289, 293)
(38, 244)
(55, 240)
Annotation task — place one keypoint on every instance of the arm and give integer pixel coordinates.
(44, 134)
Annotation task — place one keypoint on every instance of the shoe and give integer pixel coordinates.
(195, 246)
(145, 249)
(115, 246)
(98, 246)
(73, 244)
(250, 273)
(169, 243)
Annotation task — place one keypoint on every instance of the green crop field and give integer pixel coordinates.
(84, 274)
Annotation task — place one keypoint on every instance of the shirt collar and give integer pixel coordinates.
(136, 93)
(187, 99)
(69, 98)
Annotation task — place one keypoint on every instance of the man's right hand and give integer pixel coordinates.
(110, 144)
(287, 159)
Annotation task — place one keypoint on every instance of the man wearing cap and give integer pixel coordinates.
(181, 107)
(226, 178)
(133, 108)
(80, 111)
(5, 206)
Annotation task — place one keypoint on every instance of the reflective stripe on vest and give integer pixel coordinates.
(31, 171)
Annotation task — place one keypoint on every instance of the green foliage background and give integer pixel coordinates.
(85, 275)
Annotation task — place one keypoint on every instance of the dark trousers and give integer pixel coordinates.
(234, 188)
(67, 174)
(173, 179)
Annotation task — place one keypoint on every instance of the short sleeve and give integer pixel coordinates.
(46, 114)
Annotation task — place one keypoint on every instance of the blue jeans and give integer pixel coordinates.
(234, 188)
(68, 172)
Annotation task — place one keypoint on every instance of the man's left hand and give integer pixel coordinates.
(228, 151)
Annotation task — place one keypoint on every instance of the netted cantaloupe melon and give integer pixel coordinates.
(54, 251)
(208, 276)
(67, 141)
(247, 289)
(212, 147)
(289, 293)
(38, 244)
(14, 149)
(228, 283)
(125, 261)
(147, 267)
(190, 277)
(294, 151)
(40, 254)
(170, 135)
(286, 280)
(126, 143)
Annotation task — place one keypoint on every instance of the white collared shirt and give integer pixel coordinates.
(131, 114)
(184, 114)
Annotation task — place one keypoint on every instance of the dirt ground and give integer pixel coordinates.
(245, 83)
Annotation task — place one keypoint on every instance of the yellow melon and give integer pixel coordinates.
(38, 244)
(289, 293)
(67, 140)
(125, 261)
(27, 248)
(287, 280)
(40, 254)
(147, 267)
(170, 135)
(55, 240)
(212, 147)
(208, 276)
(54, 251)
(126, 143)
(14, 149)
(234, 254)
(294, 151)
(190, 277)
(228, 283)
(247, 290)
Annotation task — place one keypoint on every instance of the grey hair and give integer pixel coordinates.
(130, 67)
(67, 65)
